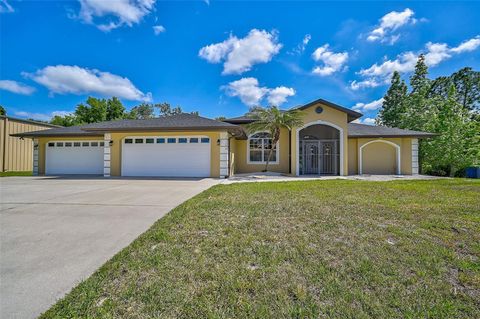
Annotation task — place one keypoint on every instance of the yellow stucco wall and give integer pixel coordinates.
(378, 155)
(42, 142)
(241, 157)
(116, 148)
(329, 115)
(352, 156)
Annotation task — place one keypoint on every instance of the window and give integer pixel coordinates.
(205, 140)
(85, 143)
(68, 144)
(160, 140)
(76, 144)
(51, 144)
(149, 140)
(259, 146)
(128, 141)
(139, 141)
(194, 140)
(171, 140)
(94, 144)
(102, 144)
(182, 140)
(59, 144)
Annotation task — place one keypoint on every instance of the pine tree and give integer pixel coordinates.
(418, 105)
(393, 107)
(419, 81)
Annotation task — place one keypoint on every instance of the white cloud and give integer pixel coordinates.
(467, 46)
(5, 7)
(356, 85)
(239, 55)
(300, 48)
(251, 94)
(118, 12)
(367, 121)
(16, 87)
(332, 62)
(157, 29)
(279, 95)
(41, 116)
(64, 79)
(365, 107)
(435, 53)
(390, 23)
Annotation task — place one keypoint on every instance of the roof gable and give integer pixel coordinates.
(351, 114)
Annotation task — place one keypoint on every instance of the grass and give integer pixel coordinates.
(315, 249)
(16, 173)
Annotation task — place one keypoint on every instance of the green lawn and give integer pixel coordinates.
(315, 249)
(15, 173)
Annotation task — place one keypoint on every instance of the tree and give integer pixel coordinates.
(2, 110)
(115, 109)
(165, 109)
(393, 107)
(419, 81)
(142, 112)
(467, 86)
(67, 120)
(458, 143)
(272, 120)
(418, 106)
(94, 111)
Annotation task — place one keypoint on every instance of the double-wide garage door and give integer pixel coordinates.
(182, 156)
(74, 157)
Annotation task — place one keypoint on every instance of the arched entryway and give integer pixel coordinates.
(379, 157)
(320, 149)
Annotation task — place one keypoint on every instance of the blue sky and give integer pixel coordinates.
(220, 57)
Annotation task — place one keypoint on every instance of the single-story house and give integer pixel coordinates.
(17, 154)
(187, 145)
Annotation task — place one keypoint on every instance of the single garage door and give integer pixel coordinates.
(379, 158)
(180, 156)
(74, 157)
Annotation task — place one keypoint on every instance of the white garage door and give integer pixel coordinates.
(74, 157)
(181, 156)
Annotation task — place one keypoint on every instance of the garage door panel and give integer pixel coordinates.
(73, 160)
(165, 159)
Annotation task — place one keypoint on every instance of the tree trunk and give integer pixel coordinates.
(275, 139)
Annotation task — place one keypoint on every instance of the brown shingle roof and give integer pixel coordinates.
(164, 123)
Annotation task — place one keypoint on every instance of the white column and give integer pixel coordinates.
(415, 156)
(223, 154)
(35, 157)
(106, 154)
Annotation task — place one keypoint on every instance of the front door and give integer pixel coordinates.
(319, 157)
(311, 157)
(328, 160)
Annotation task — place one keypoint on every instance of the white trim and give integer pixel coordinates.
(277, 147)
(415, 166)
(35, 156)
(106, 154)
(319, 122)
(397, 150)
(223, 154)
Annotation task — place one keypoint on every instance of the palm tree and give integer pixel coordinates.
(271, 120)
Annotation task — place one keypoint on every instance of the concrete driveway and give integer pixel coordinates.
(56, 232)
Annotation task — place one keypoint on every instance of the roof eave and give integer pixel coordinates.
(392, 135)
